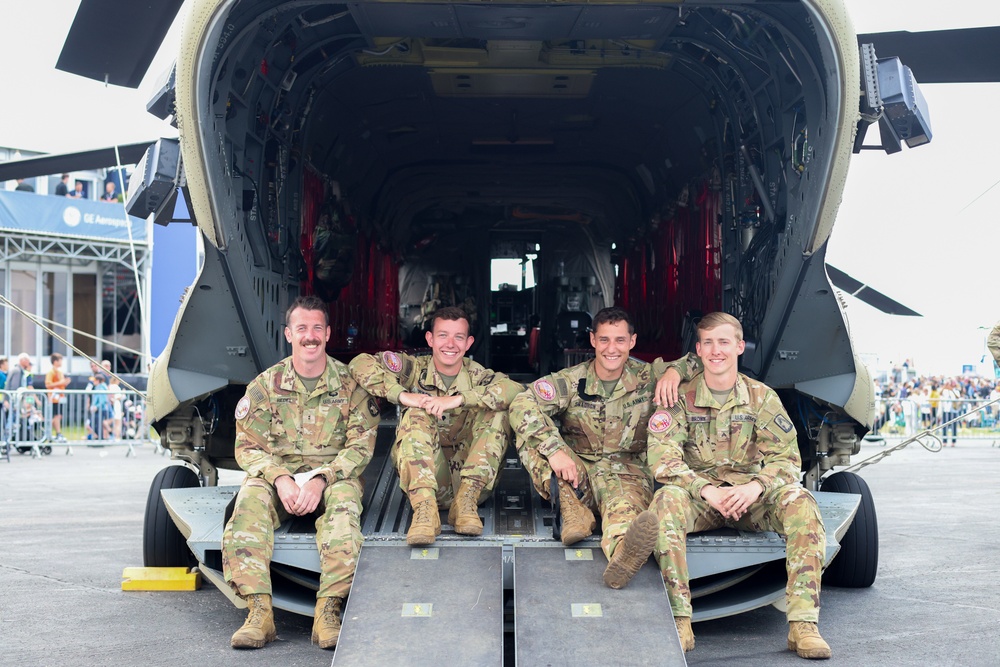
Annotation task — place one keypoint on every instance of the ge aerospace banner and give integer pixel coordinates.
(48, 214)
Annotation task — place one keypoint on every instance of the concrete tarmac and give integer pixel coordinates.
(70, 524)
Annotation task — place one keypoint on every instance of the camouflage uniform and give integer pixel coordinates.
(700, 442)
(605, 435)
(282, 429)
(469, 442)
(994, 342)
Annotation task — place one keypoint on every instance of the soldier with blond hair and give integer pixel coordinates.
(727, 455)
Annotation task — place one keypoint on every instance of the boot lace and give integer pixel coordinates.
(422, 512)
(257, 612)
(805, 629)
(331, 610)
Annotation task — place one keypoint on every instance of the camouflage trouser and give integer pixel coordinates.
(608, 487)
(789, 510)
(248, 541)
(436, 454)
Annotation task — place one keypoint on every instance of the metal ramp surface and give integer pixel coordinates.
(565, 615)
(439, 605)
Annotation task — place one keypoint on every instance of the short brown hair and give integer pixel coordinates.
(308, 303)
(450, 313)
(712, 320)
(613, 315)
(55, 356)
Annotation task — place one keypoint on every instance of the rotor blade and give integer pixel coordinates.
(59, 164)
(869, 295)
(964, 55)
(115, 40)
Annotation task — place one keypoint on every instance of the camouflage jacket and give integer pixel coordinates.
(390, 374)
(994, 342)
(281, 429)
(594, 425)
(699, 442)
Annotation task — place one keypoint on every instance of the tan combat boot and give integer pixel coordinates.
(425, 524)
(258, 629)
(464, 512)
(326, 622)
(804, 639)
(578, 521)
(684, 632)
(633, 551)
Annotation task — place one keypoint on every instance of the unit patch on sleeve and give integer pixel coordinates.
(660, 422)
(243, 408)
(544, 389)
(783, 423)
(392, 361)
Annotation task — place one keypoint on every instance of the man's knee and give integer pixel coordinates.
(670, 500)
(416, 423)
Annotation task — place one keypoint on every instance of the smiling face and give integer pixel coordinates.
(308, 333)
(612, 343)
(449, 341)
(719, 349)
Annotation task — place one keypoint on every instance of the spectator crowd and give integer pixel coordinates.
(905, 405)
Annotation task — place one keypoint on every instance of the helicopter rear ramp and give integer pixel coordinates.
(439, 605)
(565, 615)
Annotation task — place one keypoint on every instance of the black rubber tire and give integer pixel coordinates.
(162, 544)
(856, 565)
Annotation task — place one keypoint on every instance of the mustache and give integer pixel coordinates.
(312, 341)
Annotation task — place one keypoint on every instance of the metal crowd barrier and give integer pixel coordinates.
(111, 417)
(965, 418)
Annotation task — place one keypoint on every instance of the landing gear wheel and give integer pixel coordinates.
(162, 544)
(856, 564)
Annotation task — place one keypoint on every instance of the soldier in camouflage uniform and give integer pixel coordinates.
(304, 415)
(993, 343)
(454, 431)
(727, 455)
(598, 453)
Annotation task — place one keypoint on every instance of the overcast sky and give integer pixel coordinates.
(920, 225)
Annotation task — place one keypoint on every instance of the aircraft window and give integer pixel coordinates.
(507, 271)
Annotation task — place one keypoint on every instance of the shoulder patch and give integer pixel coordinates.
(544, 389)
(783, 423)
(243, 408)
(392, 361)
(660, 421)
(372, 407)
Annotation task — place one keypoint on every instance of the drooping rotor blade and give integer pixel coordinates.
(869, 295)
(115, 40)
(44, 165)
(963, 55)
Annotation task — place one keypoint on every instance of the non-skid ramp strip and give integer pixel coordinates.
(565, 615)
(440, 605)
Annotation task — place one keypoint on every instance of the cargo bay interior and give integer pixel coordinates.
(618, 151)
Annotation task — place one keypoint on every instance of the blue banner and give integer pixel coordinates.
(80, 218)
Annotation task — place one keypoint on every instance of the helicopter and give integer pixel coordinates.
(671, 158)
